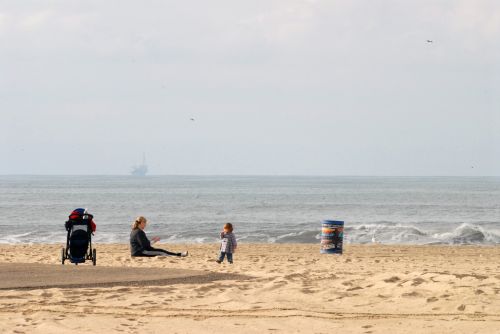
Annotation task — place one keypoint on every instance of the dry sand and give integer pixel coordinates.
(285, 288)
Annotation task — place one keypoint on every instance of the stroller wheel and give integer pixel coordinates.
(94, 252)
(63, 255)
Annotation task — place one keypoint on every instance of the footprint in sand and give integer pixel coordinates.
(91, 293)
(293, 276)
(393, 279)
(432, 299)
(411, 294)
(417, 281)
(461, 307)
(115, 296)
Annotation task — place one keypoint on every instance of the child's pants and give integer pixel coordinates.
(229, 257)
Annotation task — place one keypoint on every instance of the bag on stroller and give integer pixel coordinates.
(80, 227)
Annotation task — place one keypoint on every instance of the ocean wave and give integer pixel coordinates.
(468, 234)
(464, 234)
(31, 237)
(377, 232)
(297, 237)
(385, 233)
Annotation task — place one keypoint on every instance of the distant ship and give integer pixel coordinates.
(140, 170)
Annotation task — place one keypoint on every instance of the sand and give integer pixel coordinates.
(270, 288)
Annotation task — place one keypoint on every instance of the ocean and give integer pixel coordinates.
(264, 209)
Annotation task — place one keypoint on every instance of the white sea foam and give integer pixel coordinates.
(468, 234)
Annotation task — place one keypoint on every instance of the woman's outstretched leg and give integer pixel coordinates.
(167, 252)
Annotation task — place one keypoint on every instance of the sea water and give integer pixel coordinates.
(267, 209)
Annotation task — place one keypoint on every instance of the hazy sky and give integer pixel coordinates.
(275, 87)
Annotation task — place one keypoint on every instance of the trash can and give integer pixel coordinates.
(332, 236)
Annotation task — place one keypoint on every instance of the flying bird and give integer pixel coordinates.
(430, 41)
(192, 119)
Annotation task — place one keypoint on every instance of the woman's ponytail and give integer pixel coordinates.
(138, 221)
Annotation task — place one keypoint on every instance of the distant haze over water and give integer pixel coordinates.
(193, 209)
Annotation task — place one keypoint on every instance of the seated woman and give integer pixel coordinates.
(140, 244)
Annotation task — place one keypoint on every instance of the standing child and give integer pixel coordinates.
(227, 244)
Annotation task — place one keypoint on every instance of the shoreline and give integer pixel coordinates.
(188, 244)
(288, 288)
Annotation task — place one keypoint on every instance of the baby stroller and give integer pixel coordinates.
(80, 226)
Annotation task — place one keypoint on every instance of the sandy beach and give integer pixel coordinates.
(271, 288)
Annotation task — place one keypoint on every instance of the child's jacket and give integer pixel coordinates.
(228, 242)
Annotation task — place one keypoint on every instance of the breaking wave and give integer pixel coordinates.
(380, 232)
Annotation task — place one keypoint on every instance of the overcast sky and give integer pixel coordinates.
(274, 87)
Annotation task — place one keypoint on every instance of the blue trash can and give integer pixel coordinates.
(332, 236)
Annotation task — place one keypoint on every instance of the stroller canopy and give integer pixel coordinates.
(80, 216)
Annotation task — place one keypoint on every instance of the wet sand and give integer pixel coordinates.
(30, 276)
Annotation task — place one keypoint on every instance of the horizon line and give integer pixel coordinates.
(262, 175)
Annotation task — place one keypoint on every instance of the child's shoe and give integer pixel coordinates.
(218, 261)
(184, 254)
